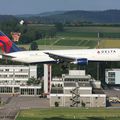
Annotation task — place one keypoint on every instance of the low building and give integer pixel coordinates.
(77, 90)
(112, 76)
(13, 80)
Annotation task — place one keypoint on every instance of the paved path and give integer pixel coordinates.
(16, 103)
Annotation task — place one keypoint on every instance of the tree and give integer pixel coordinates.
(52, 33)
(59, 27)
(83, 104)
(33, 81)
(34, 46)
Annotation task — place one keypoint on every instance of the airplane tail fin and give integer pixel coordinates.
(7, 45)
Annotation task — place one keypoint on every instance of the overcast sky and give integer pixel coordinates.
(38, 6)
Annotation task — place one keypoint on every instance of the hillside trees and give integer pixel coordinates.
(8, 26)
(33, 81)
(59, 27)
(28, 33)
(34, 46)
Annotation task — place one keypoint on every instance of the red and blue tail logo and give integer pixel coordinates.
(7, 45)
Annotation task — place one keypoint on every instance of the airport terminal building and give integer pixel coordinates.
(77, 89)
(13, 80)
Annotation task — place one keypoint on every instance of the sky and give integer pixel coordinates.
(17, 7)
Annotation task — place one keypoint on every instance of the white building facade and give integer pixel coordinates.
(77, 89)
(13, 79)
(112, 76)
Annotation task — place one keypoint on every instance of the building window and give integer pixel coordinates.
(1, 70)
(111, 74)
(6, 70)
(11, 76)
(38, 92)
(21, 70)
(111, 80)
(17, 81)
(5, 76)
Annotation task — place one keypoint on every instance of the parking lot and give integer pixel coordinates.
(113, 93)
(13, 104)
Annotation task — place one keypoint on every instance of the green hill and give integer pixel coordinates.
(5, 18)
(107, 16)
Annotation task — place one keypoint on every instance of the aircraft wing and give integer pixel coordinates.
(66, 58)
(60, 57)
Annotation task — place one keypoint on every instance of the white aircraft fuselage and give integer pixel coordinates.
(76, 56)
(44, 57)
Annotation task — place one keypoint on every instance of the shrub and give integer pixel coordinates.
(56, 104)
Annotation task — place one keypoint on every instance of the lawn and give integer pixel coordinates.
(85, 37)
(70, 114)
(80, 37)
(110, 43)
(69, 41)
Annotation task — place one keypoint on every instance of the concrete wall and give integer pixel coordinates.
(58, 99)
(67, 101)
(89, 100)
(85, 91)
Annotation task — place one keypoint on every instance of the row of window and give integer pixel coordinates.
(17, 82)
(57, 85)
(30, 92)
(7, 70)
(111, 77)
(23, 91)
(111, 74)
(11, 76)
(81, 80)
(5, 89)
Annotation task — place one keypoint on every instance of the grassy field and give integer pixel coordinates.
(84, 37)
(79, 37)
(69, 41)
(108, 43)
(69, 114)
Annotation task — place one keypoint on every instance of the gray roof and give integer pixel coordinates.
(78, 76)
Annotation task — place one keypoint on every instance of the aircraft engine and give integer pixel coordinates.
(82, 61)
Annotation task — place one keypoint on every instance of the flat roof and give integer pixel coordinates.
(77, 76)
